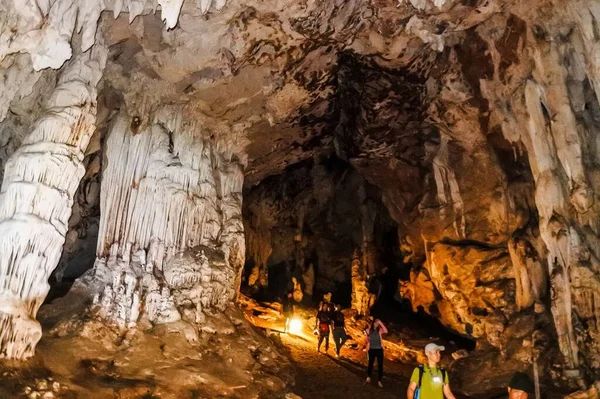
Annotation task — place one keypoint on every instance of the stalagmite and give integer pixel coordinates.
(308, 278)
(259, 248)
(368, 214)
(40, 180)
(361, 297)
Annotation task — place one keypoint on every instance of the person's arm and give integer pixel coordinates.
(366, 342)
(382, 329)
(410, 393)
(447, 392)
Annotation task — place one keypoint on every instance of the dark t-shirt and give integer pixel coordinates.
(338, 320)
(324, 320)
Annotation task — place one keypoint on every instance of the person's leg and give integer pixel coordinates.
(380, 364)
(337, 339)
(343, 338)
(321, 337)
(371, 360)
(326, 341)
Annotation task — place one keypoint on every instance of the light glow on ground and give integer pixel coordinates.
(295, 326)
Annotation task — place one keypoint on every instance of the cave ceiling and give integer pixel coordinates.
(301, 79)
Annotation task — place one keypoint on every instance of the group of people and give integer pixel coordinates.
(330, 319)
(428, 381)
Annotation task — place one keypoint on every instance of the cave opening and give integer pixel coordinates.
(305, 228)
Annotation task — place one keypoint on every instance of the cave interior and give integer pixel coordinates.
(168, 164)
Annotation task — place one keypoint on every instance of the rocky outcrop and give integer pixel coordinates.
(469, 288)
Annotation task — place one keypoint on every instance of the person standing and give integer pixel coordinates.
(430, 380)
(288, 310)
(339, 330)
(374, 346)
(322, 326)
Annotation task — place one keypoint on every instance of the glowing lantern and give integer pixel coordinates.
(295, 326)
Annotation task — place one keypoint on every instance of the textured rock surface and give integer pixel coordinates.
(40, 179)
(169, 200)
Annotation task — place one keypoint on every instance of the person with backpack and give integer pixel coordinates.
(374, 347)
(322, 326)
(339, 329)
(430, 381)
(288, 309)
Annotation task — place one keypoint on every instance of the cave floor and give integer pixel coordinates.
(324, 376)
(320, 375)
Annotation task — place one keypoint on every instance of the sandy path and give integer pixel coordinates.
(324, 376)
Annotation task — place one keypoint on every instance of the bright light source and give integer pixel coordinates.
(295, 326)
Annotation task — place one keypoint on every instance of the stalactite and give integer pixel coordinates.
(259, 248)
(448, 193)
(44, 30)
(586, 13)
(167, 196)
(40, 180)
(529, 274)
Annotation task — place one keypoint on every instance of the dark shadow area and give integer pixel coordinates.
(310, 219)
(391, 308)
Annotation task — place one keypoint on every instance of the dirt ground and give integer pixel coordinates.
(320, 375)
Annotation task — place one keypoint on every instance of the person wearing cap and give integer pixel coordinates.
(520, 386)
(430, 380)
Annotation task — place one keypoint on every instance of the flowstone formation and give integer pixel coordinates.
(171, 235)
(40, 179)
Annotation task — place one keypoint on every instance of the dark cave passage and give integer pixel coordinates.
(305, 227)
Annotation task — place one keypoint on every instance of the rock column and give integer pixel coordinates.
(40, 180)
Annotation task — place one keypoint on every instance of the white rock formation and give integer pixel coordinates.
(169, 194)
(44, 28)
(40, 180)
